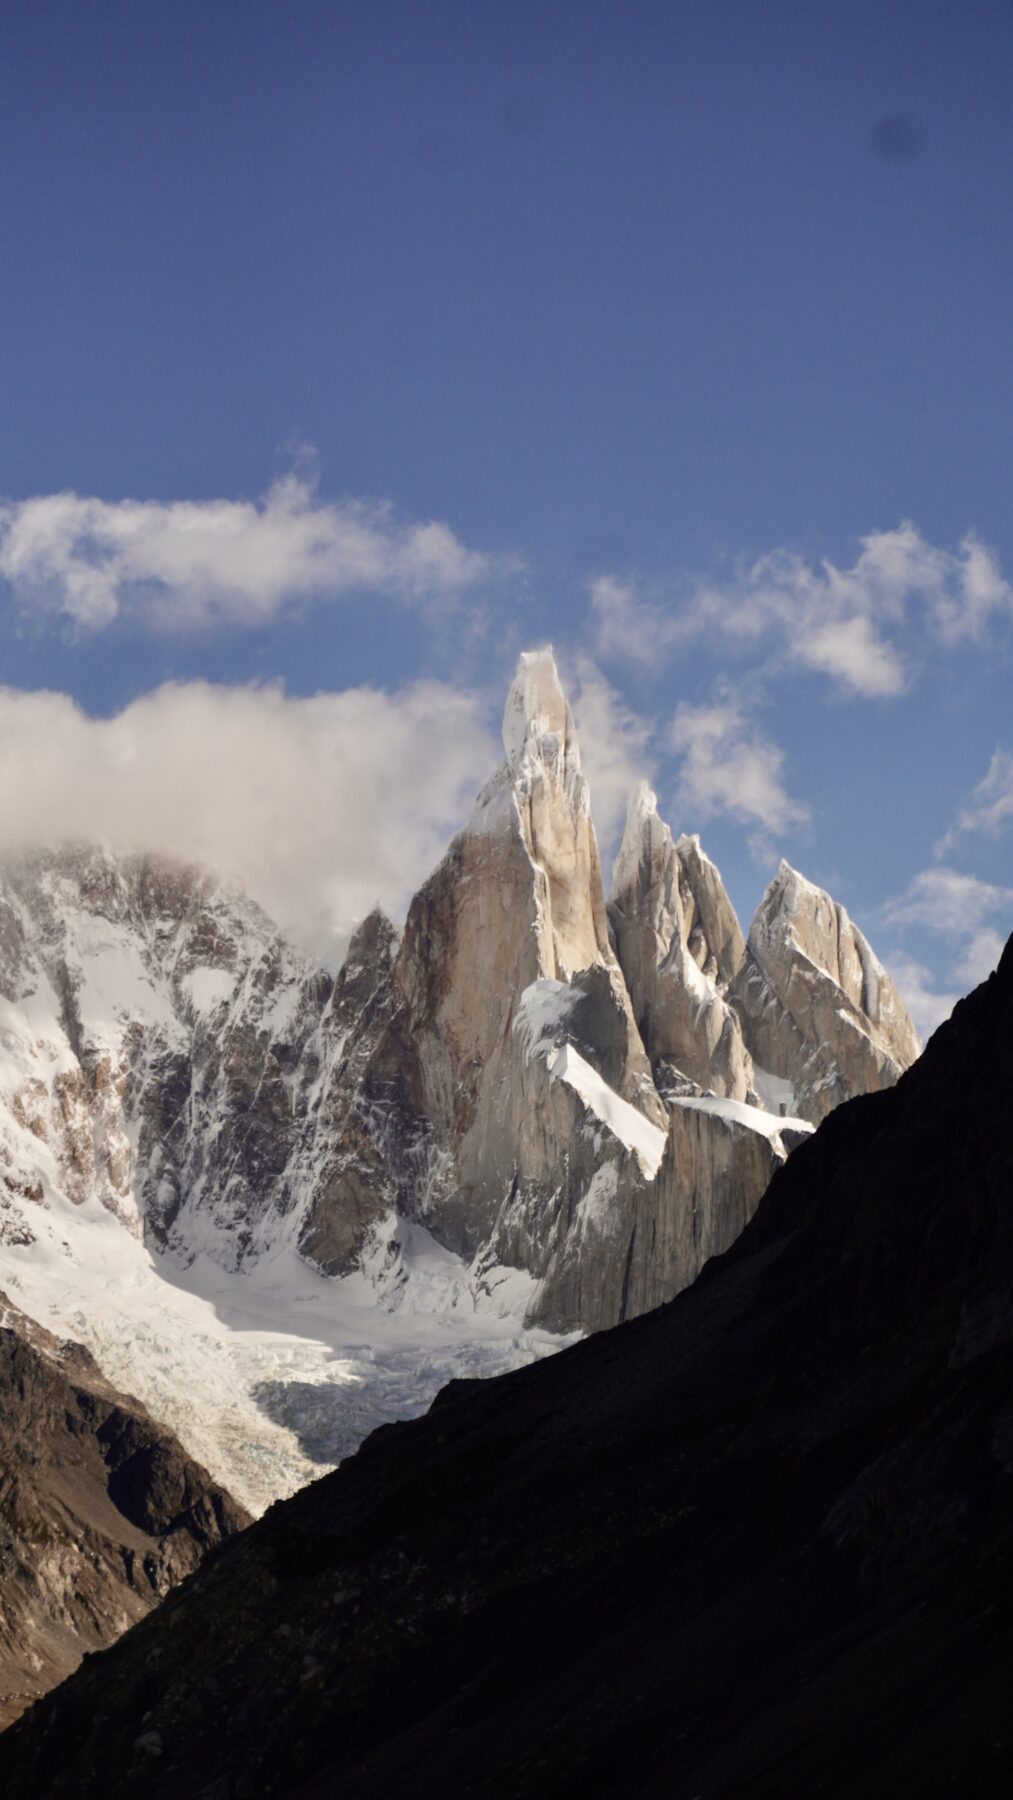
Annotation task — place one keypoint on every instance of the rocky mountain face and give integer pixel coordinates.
(818, 1009)
(464, 1128)
(101, 1511)
(509, 1099)
(680, 948)
(564, 1106)
(757, 1541)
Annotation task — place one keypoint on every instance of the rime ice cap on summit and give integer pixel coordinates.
(536, 707)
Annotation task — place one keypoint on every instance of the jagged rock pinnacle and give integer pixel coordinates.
(809, 969)
(662, 912)
(536, 707)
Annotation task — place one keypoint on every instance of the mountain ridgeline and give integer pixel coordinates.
(590, 1093)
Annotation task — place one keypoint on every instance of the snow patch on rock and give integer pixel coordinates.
(634, 1132)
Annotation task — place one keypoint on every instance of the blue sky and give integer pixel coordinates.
(677, 335)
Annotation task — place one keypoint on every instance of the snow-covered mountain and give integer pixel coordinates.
(281, 1208)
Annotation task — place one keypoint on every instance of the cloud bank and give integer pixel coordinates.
(320, 806)
(187, 564)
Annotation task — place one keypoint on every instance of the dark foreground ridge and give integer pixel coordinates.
(101, 1510)
(758, 1542)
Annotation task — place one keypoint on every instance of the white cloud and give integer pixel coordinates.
(849, 651)
(185, 563)
(846, 623)
(320, 806)
(989, 808)
(979, 957)
(730, 768)
(628, 628)
(959, 908)
(614, 750)
(928, 1008)
(946, 901)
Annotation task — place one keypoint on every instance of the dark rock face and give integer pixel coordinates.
(101, 1511)
(757, 1542)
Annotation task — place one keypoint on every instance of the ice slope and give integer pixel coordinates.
(271, 1376)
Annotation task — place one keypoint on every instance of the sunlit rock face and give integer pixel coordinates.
(477, 1136)
(679, 947)
(507, 1100)
(819, 1010)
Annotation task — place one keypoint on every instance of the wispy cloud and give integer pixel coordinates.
(627, 626)
(979, 957)
(615, 748)
(845, 623)
(185, 564)
(927, 1006)
(970, 916)
(320, 806)
(989, 808)
(945, 900)
(730, 768)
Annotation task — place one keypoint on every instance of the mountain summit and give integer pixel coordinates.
(527, 1111)
(818, 1008)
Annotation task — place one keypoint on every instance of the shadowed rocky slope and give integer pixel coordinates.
(101, 1511)
(759, 1541)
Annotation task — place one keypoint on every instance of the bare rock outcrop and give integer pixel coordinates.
(713, 932)
(819, 1012)
(633, 1243)
(679, 946)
